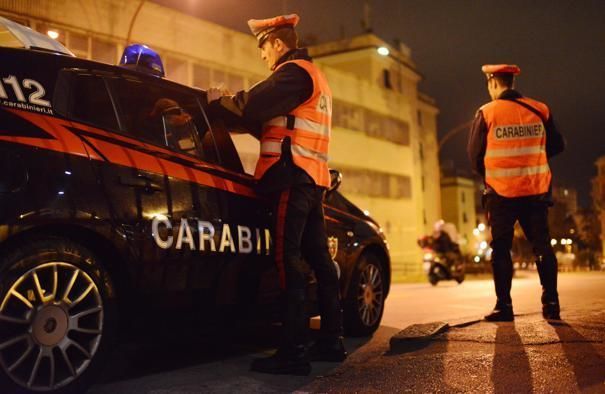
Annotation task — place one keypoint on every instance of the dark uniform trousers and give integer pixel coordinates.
(532, 215)
(299, 237)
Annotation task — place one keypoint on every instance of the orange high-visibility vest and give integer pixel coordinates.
(515, 159)
(308, 127)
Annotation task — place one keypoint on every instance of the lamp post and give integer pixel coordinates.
(450, 133)
(134, 17)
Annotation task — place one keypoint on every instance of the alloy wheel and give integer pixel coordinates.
(51, 324)
(370, 295)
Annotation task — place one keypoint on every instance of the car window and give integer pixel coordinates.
(91, 102)
(159, 115)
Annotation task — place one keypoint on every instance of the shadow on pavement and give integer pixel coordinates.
(588, 365)
(175, 345)
(433, 349)
(511, 371)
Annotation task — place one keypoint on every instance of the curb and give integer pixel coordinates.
(411, 337)
(417, 335)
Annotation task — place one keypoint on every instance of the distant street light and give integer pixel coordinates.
(383, 51)
(53, 34)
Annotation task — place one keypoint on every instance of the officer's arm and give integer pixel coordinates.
(555, 143)
(284, 90)
(477, 144)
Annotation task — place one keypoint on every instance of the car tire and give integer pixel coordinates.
(364, 304)
(57, 317)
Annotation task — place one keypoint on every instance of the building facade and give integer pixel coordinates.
(598, 197)
(384, 130)
(458, 196)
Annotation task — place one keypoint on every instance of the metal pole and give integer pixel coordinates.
(453, 132)
(134, 17)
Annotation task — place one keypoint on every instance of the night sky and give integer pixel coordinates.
(559, 45)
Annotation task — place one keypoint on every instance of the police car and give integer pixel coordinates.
(117, 195)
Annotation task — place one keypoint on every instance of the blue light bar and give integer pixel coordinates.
(142, 58)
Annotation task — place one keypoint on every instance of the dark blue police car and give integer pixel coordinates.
(116, 195)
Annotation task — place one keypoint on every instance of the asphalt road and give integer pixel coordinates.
(190, 363)
(421, 303)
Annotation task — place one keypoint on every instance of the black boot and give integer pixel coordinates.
(286, 361)
(328, 349)
(550, 305)
(551, 311)
(501, 312)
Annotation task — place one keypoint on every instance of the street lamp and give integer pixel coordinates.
(383, 51)
(52, 34)
(452, 132)
(134, 17)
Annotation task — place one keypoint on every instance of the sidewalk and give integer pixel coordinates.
(528, 355)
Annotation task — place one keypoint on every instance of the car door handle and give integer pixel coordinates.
(140, 182)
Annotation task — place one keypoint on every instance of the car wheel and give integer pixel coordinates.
(364, 304)
(57, 317)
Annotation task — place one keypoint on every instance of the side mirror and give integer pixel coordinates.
(335, 180)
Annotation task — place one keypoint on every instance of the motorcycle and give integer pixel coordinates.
(441, 266)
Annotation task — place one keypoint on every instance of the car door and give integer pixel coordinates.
(249, 276)
(153, 197)
(163, 116)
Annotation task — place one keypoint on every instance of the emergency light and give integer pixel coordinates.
(141, 58)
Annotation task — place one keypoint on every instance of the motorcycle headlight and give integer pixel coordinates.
(428, 256)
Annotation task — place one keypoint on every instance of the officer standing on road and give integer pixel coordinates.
(510, 142)
(293, 109)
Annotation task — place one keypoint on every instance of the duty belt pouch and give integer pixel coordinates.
(280, 175)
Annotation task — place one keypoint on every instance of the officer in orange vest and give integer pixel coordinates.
(292, 108)
(511, 140)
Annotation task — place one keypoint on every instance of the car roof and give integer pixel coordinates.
(18, 36)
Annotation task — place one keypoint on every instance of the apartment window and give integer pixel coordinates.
(464, 217)
(375, 184)
(219, 77)
(420, 119)
(176, 70)
(78, 44)
(463, 197)
(386, 79)
(235, 83)
(347, 116)
(201, 76)
(374, 124)
(103, 51)
(421, 151)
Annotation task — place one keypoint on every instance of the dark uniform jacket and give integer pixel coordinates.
(477, 143)
(283, 91)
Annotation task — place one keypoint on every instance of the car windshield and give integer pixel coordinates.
(8, 39)
(14, 35)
